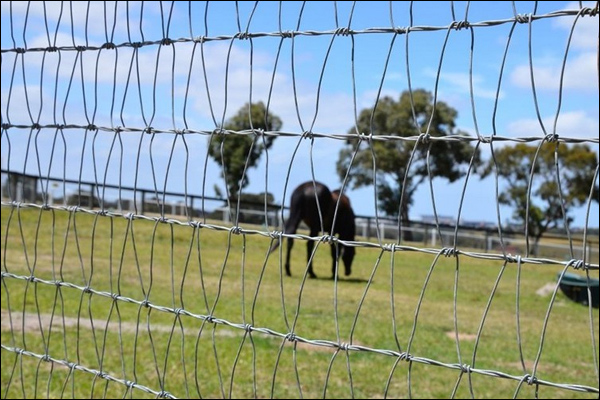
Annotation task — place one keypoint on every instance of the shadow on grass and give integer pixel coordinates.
(340, 279)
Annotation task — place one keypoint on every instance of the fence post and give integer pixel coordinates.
(91, 197)
(143, 200)
(225, 214)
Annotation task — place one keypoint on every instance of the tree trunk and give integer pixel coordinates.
(407, 235)
(534, 247)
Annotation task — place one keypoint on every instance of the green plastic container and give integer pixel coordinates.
(575, 287)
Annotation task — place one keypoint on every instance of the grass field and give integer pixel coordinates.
(204, 271)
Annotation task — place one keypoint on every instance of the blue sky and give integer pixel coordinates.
(53, 99)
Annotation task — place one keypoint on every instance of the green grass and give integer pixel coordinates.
(179, 267)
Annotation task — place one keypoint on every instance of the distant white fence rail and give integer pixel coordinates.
(484, 240)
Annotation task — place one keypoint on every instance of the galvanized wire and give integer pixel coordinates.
(62, 279)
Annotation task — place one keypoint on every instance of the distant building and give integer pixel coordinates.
(21, 187)
(478, 224)
(441, 219)
(83, 198)
(447, 220)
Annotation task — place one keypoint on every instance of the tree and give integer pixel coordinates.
(239, 149)
(576, 169)
(447, 159)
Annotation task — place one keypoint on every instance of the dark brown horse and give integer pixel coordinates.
(304, 207)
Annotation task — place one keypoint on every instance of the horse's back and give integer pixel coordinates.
(344, 219)
(304, 204)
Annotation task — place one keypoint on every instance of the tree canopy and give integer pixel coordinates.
(398, 118)
(573, 165)
(239, 149)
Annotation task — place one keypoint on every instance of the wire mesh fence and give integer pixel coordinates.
(110, 290)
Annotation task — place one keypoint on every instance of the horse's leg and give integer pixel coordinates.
(287, 256)
(335, 257)
(290, 227)
(309, 250)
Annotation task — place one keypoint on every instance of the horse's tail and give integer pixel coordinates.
(291, 225)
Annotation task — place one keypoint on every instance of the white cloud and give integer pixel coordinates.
(104, 61)
(579, 72)
(394, 76)
(459, 82)
(585, 35)
(368, 98)
(93, 19)
(576, 124)
(103, 72)
(335, 108)
(102, 69)
(23, 107)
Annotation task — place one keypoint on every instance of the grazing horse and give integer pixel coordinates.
(304, 207)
